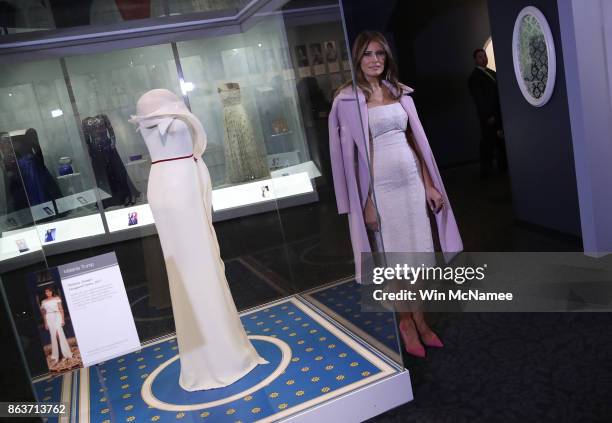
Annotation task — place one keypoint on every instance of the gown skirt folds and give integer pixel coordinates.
(214, 349)
(398, 184)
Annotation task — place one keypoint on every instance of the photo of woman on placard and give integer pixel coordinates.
(57, 334)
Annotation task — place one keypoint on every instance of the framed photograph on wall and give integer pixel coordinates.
(346, 65)
(331, 56)
(303, 61)
(301, 55)
(316, 56)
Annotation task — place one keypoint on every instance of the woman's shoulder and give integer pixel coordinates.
(345, 91)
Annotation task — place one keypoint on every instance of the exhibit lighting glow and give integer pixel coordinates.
(56, 113)
(186, 87)
(259, 45)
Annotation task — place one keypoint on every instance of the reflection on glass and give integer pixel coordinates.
(46, 174)
(244, 91)
(265, 115)
(106, 87)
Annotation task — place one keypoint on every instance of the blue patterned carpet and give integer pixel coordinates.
(345, 301)
(49, 390)
(321, 364)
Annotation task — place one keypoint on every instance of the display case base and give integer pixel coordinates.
(317, 371)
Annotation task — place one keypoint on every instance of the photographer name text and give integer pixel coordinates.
(435, 295)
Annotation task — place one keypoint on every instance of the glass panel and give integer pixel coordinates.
(37, 116)
(234, 87)
(106, 87)
(263, 98)
(320, 253)
(21, 252)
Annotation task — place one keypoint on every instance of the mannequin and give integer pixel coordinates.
(214, 350)
(244, 160)
(39, 185)
(108, 168)
(15, 196)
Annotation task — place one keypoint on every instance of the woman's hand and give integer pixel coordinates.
(434, 199)
(369, 215)
(63, 323)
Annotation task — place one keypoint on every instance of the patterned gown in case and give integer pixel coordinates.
(244, 158)
(108, 168)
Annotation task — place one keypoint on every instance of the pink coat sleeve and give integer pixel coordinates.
(337, 160)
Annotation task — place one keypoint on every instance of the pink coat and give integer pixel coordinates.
(349, 158)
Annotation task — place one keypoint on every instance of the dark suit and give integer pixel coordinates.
(483, 87)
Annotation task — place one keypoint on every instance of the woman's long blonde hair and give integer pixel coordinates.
(389, 73)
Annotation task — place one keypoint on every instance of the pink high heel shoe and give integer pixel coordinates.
(431, 340)
(412, 343)
(428, 336)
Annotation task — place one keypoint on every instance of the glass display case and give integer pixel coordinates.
(74, 188)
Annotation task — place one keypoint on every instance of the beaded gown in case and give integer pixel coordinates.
(244, 158)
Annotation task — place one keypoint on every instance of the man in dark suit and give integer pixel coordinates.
(483, 87)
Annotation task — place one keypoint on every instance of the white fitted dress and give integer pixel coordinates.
(214, 349)
(398, 184)
(53, 318)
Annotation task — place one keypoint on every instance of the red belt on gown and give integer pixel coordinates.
(175, 158)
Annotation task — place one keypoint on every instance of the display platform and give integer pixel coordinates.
(342, 301)
(316, 371)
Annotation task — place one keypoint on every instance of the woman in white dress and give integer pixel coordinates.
(214, 349)
(53, 316)
(395, 210)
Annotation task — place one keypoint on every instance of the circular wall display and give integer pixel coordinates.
(533, 54)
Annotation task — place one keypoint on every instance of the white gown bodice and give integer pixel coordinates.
(169, 138)
(51, 305)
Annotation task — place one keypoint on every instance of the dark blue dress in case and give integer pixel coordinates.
(39, 184)
(108, 168)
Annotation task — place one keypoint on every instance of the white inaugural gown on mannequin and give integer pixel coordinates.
(213, 347)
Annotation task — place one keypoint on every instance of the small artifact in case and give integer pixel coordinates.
(65, 166)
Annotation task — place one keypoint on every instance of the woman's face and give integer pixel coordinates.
(373, 60)
(48, 293)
